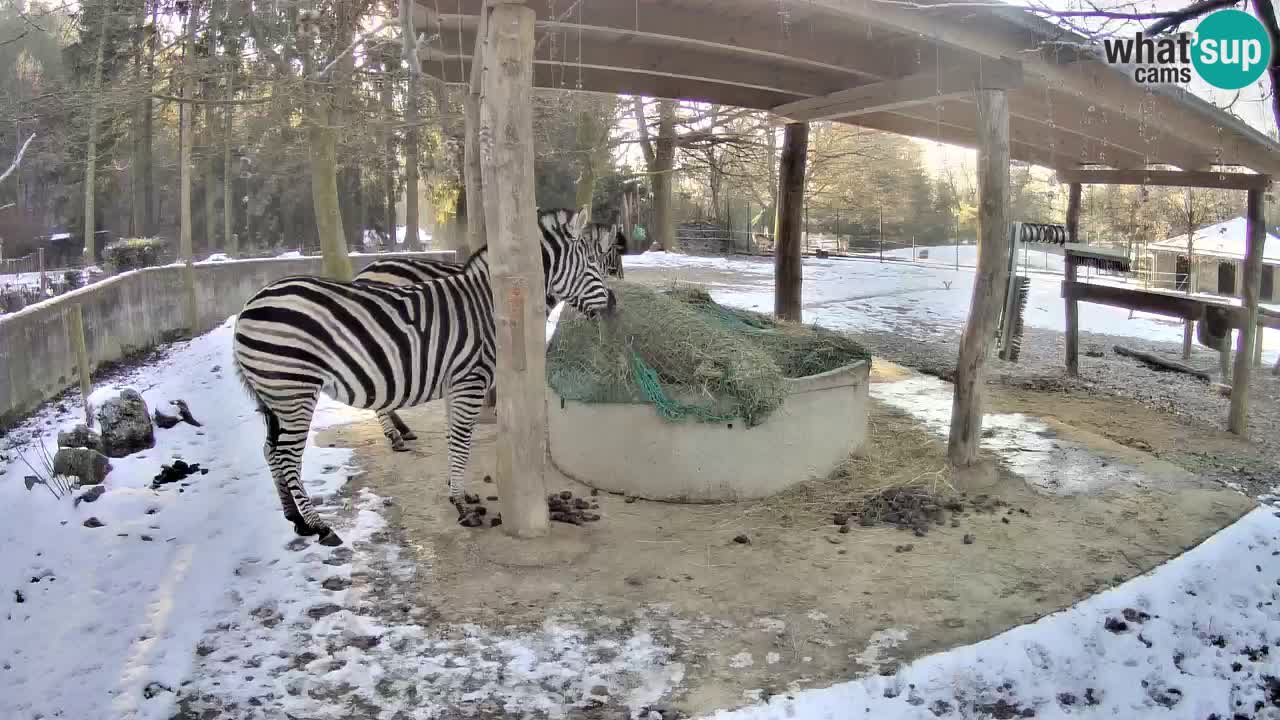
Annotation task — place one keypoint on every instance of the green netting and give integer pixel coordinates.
(688, 356)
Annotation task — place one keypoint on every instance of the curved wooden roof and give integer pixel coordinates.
(903, 67)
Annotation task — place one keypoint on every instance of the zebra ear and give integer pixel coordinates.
(579, 221)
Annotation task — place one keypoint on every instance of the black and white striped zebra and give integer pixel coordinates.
(603, 243)
(380, 347)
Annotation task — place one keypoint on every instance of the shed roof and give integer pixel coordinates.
(1069, 109)
(1224, 240)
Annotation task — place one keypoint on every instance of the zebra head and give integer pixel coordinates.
(605, 244)
(574, 274)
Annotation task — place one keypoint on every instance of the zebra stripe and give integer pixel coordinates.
(380, 347)
(603, 244)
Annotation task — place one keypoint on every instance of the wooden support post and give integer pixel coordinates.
(1237, 420)
(75, 331)
(471, 176)
(989, 279)
(788, 272)
(1191, 272)
(1072, 305)
(1257, 348)
(1224, 359)
(471, 149)
(515, 259)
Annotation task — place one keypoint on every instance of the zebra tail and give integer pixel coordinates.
(272, 421)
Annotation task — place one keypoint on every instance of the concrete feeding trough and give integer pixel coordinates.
(628, 448)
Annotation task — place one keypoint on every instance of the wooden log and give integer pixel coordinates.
(515, 258)
(75, 330)
(1237, 419)
(1160, 363)
(989, 279)
(1072, 306)
(787, 264)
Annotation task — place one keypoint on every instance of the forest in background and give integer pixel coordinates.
(304, 124)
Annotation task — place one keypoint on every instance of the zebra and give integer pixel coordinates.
(603, 243)
(377, 346)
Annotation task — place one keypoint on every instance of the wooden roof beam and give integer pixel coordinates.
(1068, 149)
(1169, 178)
(729, 27)
(630, 54)
(917, 89)
(960, 136)
(1188, 118)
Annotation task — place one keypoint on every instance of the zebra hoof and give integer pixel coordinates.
(300, 526)
(329, 538)
(399, 446)
(409, 435)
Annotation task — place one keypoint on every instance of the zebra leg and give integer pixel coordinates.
(287, 430)
(405, 432)
(464, 400)
(387, 419)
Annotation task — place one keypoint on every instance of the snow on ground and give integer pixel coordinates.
(872, 296)
(199, 595)
(1195, 644)
(1027, 446)
(200, 589)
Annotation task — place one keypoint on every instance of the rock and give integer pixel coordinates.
(968, 539)
(834, 540)
(1115, 625)
(90, 495)
(742, 540)
(845, 529)
(184, 412)
(126, 425)
(600, 690)
(80, 437)
(86, 464)
(93, 522)
(839, 519)
(164, 421)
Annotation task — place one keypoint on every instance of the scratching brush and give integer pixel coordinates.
(1096, 257)
(1022, 286)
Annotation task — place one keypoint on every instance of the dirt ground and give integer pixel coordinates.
(802, 604)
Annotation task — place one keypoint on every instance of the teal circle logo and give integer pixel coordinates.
(1231, 49)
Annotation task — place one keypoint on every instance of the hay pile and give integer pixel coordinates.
(689, 356)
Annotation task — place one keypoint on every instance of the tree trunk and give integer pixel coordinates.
(389, 154)
(137, 199)
(989, 280)
(663, 179)
(148, 131)
(209, 91)
(409, 48)
(185, 168)
(324, 198)
(788, 269)
(91, 150)
(1238, 419)
(228, 201)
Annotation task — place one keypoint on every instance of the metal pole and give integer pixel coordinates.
(837, 228)
(913, 248)
(881, 233)
(40, 262)
(806, 226)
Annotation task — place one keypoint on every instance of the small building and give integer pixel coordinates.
(1217, 256)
